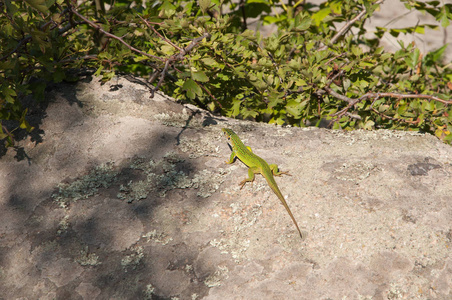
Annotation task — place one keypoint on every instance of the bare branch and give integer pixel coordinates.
(338, 96)
(351, 102)
(160, 36)
(396, 95)
(213, 97)
(28, 37)
(94, 25)
(347, 26)
(392, 118)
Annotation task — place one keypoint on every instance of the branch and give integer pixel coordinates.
(94, 25)
(339, 96)
(347, 26)
(177, 57)
(190, 47)
(392, 118)
(160, 36)
(396, 95)
(351, 102)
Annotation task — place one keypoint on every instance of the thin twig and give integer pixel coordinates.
(28, 38)
(396, 95)
(9, 134)
(337, 95)
(347, 26)
(208, 92)
(161, 36)
(92, 24)
(392, 118)
(177, 57)
(352, 102)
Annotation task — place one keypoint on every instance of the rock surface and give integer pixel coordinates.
(126, 197)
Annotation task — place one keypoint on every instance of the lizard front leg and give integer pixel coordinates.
(231, 158)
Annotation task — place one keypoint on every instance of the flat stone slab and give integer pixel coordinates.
(127, 197)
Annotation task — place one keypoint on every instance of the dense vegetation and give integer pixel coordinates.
(313, 70)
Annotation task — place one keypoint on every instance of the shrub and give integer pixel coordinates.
(311, 70)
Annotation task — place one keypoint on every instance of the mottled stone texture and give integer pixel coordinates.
(126, 197)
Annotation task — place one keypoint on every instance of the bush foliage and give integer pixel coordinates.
(320, 65)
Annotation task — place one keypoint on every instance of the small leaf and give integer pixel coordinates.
(430, 106)
(320, 15)
(346, 84)
(336, 125)
(38, 4)
(192, 89)
(199, 76)
(209, 61)
(302, 24)
(436, 55)
(99, 70)
(204, 5)
(167, 9)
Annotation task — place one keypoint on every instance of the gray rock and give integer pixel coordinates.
(128, 197)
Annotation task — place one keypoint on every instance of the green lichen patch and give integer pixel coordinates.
(63, 226)
(87, 259)
(198, 147)
(134, 259)
(160, 176)
(238, 244)
(216, 278)
(149, 292)
(207, 183)
(179, 119)
(163, 176)
(100, 177)
(160, 238)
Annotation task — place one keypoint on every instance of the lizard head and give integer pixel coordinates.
(228, 132)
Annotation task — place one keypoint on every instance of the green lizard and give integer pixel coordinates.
(256, 165)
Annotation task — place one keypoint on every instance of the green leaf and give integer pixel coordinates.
(38, 4)
(24, 125)
(167, 9)
(430, 106)
(247, 113)
(336, 7)
(275, 99)
(255, 8)
(320, 15)
(336, 125)
(99, 70)
(58, 75)
(210, 62)
(267, 20)
(8, 94)
(236, 103)
(436, 55)
(296, 108)
(365, 64)
(346, 84)
(444, 16)
(369, 125)
(199, 76)
(301, 24)
(204, 5)
(357, 51)
(192, 89)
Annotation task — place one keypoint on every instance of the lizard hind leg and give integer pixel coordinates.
(276, 171)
